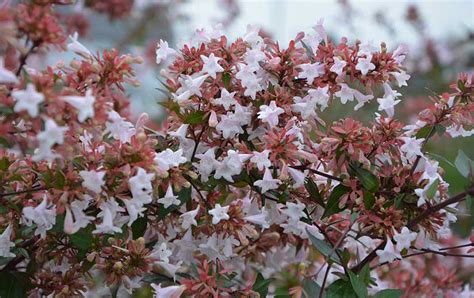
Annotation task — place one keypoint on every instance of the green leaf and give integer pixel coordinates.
(226, 79)
(196, 117)
(369, 181)
(323, 247)
(59, 179)
(369, 200)
(340, 289)
(4, 142)
(313, 191)
(311, 288)
(261, 285)
(432, 189)
(82, 239)
(13, 284)
(4, 163)
(423, 132)
(333, 201)
(389, 293)
(463, 164)
(139, 227)
(358, 285)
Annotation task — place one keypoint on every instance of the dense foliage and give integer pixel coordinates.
(244, 190)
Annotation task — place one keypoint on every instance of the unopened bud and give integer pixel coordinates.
(213, 119)
(118, 266)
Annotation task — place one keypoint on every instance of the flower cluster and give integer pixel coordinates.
(245, 189)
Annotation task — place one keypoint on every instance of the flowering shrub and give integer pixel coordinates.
(244, 191)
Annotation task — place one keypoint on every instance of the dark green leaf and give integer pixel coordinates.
(358, 285)
(432, 189)
(4, 163)
(340, 289)
(369, 181)
(423, 132)
(324, 248)
(369, 200)
(313, 191)
(311, 288)
(139, 227)
(59, 179)
(261, 285)
(333, 201)
(13, 285)
(226, 79)
(82, 239)
(389, 293)
(196, 117)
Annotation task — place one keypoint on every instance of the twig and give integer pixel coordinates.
(329, 176)
(22, 191)
(457, 198)
(324, 280)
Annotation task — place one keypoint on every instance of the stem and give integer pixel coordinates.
(457, 198)
(23, 58)
(22, 191)
(324, 281)
(304, 167)
(368, 258)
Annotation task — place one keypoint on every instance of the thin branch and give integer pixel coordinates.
(324, 281)
(22, 191)
(457, 198)
(24, 57)
(329, 176)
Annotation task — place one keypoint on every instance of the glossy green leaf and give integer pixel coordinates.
(358, 285)
(313, 191)
(389, 293)
(340, 289)
(196, 117)
(333, 201)
(432, 189)
(310, 288)
(324, 248)
(369, 181)
(463, 164)
(261, 285)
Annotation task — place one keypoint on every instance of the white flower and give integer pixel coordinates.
(294, 211)
(134, 208)
(7, 76)
(169, 198)
(401, 77)
(298, 177)
(269, 114)
(52, 134)
(306, 106)
(314, 231)
(207, 164)
(118, 128)
(345, 94)
(219, 247)
(320, 96)
(361, 99)
(167, 292)
(261, 159)
(6, 244)
(367, 49)
(252, 35)
(364, 65)
(27, 100)
(411, 147)
(189, 218)
(43, 216)
(404, 238)
(267, 183)
(140, 186)
(84, 104)
(259, 219)
(93, 180)
(219, 213)
(77, 47)
(75, 218)
(229, 126)
(253, 56)
(249, 80)
(338, 66)
(107, 226)
(387, 104)
(230, 166)
(162, 252)
(226, 100)
(168, 159)
(191, 86)
(389, 253)
(310, 71)
(211, 65)
(459, 131)
(164, 53)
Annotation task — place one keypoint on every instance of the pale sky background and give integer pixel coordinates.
(285, 18)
